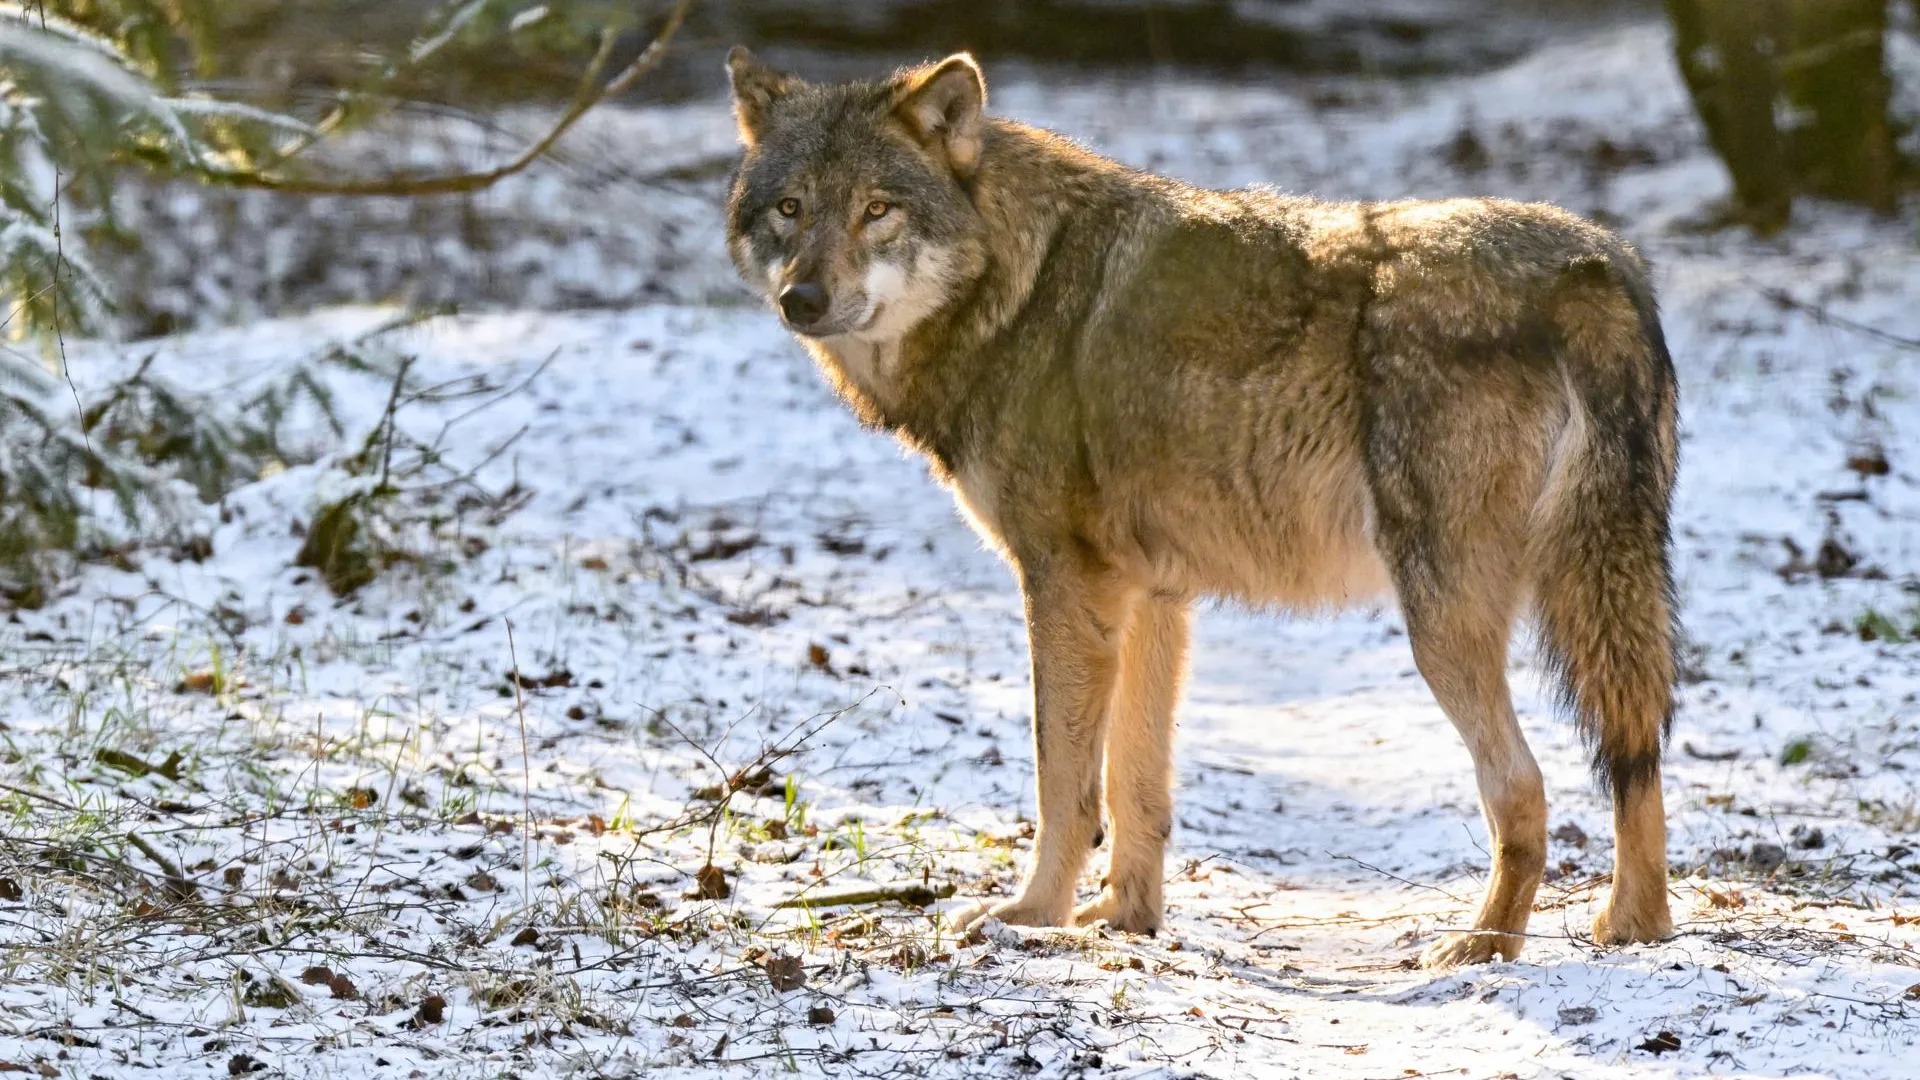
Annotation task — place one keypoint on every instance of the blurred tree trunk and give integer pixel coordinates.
(1725, 52)
(1794, 97)
(1836, 79)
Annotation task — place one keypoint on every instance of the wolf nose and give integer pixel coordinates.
(803, 304)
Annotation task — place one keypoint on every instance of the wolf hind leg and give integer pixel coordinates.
(1460, 648)
(1604, 585)
(1452, 493)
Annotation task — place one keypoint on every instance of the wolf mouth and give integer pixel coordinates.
(821, 333)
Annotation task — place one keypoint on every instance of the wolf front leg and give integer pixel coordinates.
(1075, 614)
(1153, 663)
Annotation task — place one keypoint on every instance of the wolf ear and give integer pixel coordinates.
(945, 105)
(755, 89)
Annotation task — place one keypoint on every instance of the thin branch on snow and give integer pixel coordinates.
(1819, 314)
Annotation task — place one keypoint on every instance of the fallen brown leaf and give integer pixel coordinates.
(710, 883)
(785, 972)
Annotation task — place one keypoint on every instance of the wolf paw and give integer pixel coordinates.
(1128, 918)
(1616, 926)
(1470, 947)
(1013, 913)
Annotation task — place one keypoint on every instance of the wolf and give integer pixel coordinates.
(1142, 393)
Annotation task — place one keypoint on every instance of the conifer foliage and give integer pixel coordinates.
(93, 89)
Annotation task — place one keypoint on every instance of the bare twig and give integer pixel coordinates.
(40, 796)
(380, 823)
(584, 100)
(526, 774)
(1821, 315)
(1396, 877)
(494, 400)
(388, 420)
(719, 812)
(59, 263)
(177, 882)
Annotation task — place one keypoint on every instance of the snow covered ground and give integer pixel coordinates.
(252, 828)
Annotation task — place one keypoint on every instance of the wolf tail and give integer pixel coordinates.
(1603, 581)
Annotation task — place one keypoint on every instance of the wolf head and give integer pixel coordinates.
(850, 206)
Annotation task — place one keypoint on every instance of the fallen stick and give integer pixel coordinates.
(1709, 755)
(177, 884)
(912, 892)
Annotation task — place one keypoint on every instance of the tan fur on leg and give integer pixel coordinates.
(1466, 667)
(1153, 664)
(1637, 910)
(1075, 614)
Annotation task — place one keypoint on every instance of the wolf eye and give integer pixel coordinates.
(789, 207)
(878, 209)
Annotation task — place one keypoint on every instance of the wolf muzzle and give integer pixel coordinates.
(803, 305)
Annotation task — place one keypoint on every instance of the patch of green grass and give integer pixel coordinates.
(1871, 625)
(1796, 752)
(795, 807)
